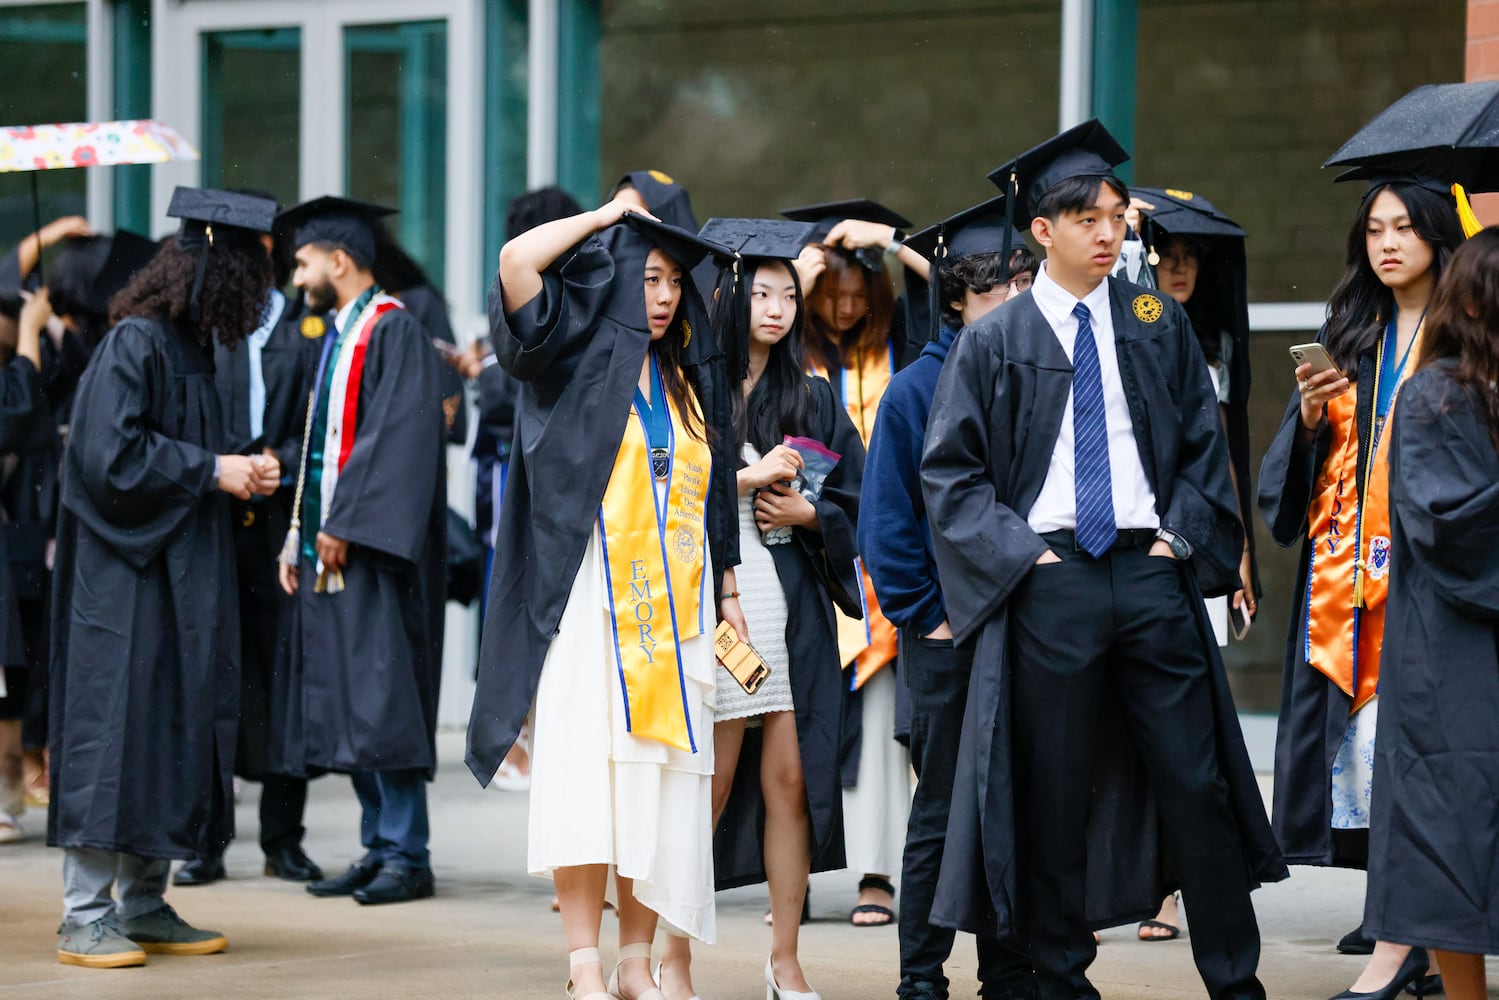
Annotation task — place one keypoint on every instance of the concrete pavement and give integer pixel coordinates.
(490, 932)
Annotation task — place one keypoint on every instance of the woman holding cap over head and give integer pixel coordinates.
(857, 339)
(144, 590)
(776, 749)
(614, 560)
(1325, 484)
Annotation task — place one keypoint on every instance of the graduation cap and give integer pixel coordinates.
(1446, 131)
(1086, 150)
(210, 217)
(984, 228)
(91, 270)
(828, 214)
(664, 197)
(685, 247)
(779, 238)
(1182, 213)
(332, 219)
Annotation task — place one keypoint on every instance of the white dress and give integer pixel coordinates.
(602, 796)
(763, 600)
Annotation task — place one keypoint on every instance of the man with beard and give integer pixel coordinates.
(145, 655)
(364, 556)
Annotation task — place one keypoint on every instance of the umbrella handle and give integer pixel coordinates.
(36, 219)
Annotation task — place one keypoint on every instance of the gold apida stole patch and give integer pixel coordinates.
(1148, 308)
(313, 327)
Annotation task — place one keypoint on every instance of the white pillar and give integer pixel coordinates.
(99, 84)
(541, 95)
(1076, 103)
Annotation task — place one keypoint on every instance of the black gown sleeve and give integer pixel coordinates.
(22, 403)
(1289, 473)
(378, 503)
(834, 546)
(984, 548)
(1444, 490)
(540, 340)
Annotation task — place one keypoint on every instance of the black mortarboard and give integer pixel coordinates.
(1183, 213)
(1086, 150)
(777, 238)
(665, 198)
(980, 229)
(686, 248)
(1379, 174)
(203, 208)
(829, 213)
(331, 219)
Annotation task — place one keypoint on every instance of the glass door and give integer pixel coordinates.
(252, 116)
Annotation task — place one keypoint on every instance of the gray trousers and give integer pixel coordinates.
(89, 876)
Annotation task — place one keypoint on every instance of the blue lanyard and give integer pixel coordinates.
(653, 414)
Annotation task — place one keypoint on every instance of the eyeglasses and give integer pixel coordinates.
(1016, 285)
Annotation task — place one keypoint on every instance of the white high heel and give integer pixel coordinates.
(577, 959)
(656, 976)
(641, 949)
(773, 990)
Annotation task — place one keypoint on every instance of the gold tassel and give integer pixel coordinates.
(290, 547)
(1471, 225)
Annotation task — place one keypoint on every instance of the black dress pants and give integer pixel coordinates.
(937, 676)
(1119, 635)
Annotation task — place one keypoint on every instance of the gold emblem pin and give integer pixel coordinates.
(686, 333)
(313, 327)
(1148, 308)
(1182, 195)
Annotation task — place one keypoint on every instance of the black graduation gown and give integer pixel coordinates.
(145, 622)
(426, 304)
(1433, 837)
(363, 668)
(288, 363)
(1313, 710)
(816, 573)
(576, 349)
(993, 427)
(23, 413)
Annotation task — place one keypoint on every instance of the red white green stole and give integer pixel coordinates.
(343, 393)
(653, 566)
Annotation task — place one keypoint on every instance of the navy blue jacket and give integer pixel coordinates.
(895, 542)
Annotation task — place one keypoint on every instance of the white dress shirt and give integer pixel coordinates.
(1134, 500)
(256, 343)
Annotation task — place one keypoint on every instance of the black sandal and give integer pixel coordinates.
(882, 884)
(1172, 932)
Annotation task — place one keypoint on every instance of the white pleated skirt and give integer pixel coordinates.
(602, 796)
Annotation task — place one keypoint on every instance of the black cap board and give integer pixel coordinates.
(1378, 175)
(1447, 132)
(980, 229)
(199, 208)
(686, 248)
(1184, 213)
(779, 238)
(331, 219)
(1086, 150)
(664, 197)
(829, 213)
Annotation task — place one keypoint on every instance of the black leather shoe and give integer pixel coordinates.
(360, 874)
(920, 989)
(397, 885)
(293, 865)
(200, 871)
(1015, 988)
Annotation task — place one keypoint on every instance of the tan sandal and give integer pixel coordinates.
(641, 949)
(577, 959)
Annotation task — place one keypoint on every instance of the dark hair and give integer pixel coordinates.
(1463, 318)
(977, 273)
(777, 405)
(670, 350)
(236, 280)
(283, 260)
(824, 345)
(1361, 304)
(534, 208)
(1077, 194)
(71, 278)
(394, 269)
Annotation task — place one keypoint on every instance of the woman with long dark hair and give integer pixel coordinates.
(145, 626)
(1432, 839)
(1325, 484)
(776, 749)
(613, 562)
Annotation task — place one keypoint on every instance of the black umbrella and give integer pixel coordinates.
(1449, 131)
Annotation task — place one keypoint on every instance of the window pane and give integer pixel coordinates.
(396, 126)
(44, 51)
(252, 110)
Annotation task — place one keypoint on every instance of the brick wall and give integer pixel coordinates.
(1483, 64)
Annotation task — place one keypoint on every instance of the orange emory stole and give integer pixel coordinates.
(872, 643)
(653, 567)
(1349, 577)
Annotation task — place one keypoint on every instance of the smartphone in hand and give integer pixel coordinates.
(1240, 621)
(1313, 354)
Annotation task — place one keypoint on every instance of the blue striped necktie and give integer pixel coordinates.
(1096, 529)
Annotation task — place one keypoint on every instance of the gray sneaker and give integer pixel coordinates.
(101, 944)
(162, 932)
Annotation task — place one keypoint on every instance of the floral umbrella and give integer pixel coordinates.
(35, 148)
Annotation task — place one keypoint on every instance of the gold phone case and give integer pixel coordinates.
(740, 658)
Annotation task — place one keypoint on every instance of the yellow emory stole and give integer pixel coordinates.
(653, 567)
